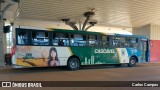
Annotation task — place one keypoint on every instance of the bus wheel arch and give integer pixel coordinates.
(73, 63)
(135, 57)
(132, 61)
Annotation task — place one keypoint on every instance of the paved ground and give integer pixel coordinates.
(142, 72)
(2, 63)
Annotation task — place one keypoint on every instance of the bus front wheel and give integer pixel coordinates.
(132, 62)
(73, 64)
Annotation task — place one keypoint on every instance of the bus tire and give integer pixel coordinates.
(73, 64)
(132, 62)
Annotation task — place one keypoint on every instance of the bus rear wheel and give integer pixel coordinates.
(73, 64)
(132, 62)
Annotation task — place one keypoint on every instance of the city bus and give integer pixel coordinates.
(71, 48)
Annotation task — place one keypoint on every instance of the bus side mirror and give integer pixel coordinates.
(6, 29)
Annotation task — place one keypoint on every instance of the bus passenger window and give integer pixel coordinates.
(105, 41)
(123, 42)
(54, 39)
(116, 42)
(22, 37)
(93, 40)
(133, 42)
(60, 42)
(120, 42)
(78, 40)
(40, 38)
(60, 39)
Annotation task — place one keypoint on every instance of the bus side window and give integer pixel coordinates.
(92, 40)
(60, 39)
(123, 42)
(22, 37)
(54, 39)
(116, 42)
(105, 41)
(78, 40)
(40, 38)
(60, 42)
(66, 40)
(120, 42)
(133, 42)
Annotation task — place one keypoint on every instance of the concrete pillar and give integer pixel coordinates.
(1, 39)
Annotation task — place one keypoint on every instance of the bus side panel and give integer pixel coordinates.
(123, 55)
(138, 53)
(38, 56)
(96, 55)
(134, 52)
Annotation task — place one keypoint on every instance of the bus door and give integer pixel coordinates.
(144, 50)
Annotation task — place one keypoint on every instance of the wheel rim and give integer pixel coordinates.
(73, 64)
(132, 61)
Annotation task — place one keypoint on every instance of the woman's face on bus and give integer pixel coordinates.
(53, 54)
